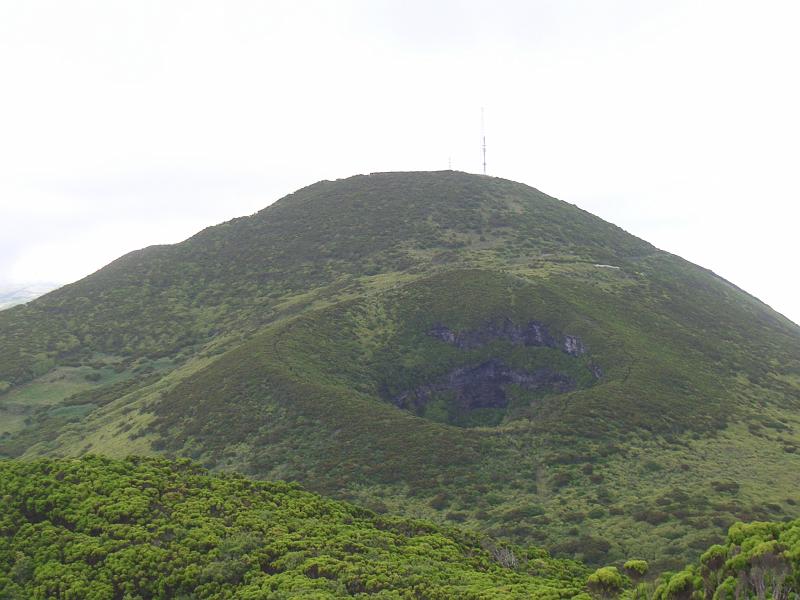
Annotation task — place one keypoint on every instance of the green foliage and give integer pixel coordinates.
(276, 344)
(605, 582)
(636, 569)
(149, 528)
(757, 560)
(234, 277)
(680, 587)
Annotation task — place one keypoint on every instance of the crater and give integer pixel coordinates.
(482, 386)
(478, 392)
(535, 333)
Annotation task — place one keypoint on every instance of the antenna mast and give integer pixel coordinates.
(483, 143)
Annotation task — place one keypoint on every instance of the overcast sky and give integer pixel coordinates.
(129, 123)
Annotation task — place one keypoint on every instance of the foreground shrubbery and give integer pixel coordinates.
(758, 560)
(95, 529)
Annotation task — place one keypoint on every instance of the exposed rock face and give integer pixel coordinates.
(573, 345)
(484, 385)
(481, 386)
(534, 333)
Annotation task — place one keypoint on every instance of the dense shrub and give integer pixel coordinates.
(95, 529)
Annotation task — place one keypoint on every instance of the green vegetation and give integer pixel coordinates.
(757, 560)
(297, 344)
(636, 569)
(96, 529)
(606, 582)
(317, 243)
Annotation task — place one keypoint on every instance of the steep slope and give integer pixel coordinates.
(448, 345)
(233, 277)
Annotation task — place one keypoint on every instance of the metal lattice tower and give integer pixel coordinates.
(483, 141)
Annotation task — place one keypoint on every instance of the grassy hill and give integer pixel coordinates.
(449, 346)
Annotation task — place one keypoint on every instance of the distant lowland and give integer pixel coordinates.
(458, 369)
(13, 294)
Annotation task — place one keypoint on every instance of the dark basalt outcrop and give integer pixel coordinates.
(482, 386)
(534, 333)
